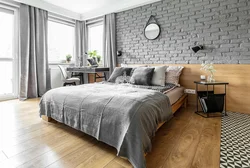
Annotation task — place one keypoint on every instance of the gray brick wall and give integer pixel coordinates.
(222, 26)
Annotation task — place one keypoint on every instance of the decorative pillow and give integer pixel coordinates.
(173, 74)
(142, 76)
(122, 79)
(119, 71)
(133, 66)
(159, 76)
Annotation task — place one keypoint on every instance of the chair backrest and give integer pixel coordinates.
(64, 73)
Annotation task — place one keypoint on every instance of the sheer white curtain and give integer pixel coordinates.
(109, 45)
(35, 76)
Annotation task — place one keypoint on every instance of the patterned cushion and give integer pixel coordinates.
(173, 74)
(122, 79)
(119, 71)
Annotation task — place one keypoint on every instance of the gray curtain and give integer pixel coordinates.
(81, 46)
(109, 39)
(80, 43)
(35, 76)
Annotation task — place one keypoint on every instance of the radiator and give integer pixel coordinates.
(56, 77)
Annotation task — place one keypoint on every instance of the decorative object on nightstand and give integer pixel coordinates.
(210, 101)
(203, 78)
(209, 68)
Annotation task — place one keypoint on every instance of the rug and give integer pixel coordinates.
(235, 141)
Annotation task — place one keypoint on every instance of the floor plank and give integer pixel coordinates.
(188, 140)
(208, 145)
(185, 147)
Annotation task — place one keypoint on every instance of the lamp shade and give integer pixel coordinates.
(197, 48)
(119, 53)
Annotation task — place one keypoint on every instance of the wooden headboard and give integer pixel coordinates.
(238, 76)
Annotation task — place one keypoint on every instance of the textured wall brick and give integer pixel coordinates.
(222, 26)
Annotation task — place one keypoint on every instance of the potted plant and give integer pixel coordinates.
(68, 58)
(93, 54)
(209, 68)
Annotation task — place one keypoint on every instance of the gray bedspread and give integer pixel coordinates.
(121, 116)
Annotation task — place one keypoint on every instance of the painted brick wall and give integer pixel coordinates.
(222, 26)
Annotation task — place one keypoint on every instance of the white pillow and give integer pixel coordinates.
(159, 76)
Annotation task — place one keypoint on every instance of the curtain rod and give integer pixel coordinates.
(10, 4)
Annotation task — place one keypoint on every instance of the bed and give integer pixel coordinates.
(124, 116)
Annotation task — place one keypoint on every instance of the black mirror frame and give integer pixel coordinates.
(158, 33)
(148, 23)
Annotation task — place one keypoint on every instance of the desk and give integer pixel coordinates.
(210, 94)
(90, 70)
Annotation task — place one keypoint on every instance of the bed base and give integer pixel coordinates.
(181, 102)
(46, 118)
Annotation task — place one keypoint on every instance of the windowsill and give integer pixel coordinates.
(59, 63)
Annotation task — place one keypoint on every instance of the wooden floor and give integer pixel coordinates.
(188, 140)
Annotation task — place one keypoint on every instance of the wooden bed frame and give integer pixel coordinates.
(180, 102)
(175, 107)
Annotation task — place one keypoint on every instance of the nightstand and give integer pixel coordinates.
(210, 101)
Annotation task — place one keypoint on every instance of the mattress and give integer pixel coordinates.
(175, 94)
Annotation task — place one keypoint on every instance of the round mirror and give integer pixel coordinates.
(152, 31)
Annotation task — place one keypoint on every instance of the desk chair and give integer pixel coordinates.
(66, 79)
(78, 74)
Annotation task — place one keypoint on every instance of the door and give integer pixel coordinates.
(8, 54)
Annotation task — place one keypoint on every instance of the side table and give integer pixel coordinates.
(209, 101)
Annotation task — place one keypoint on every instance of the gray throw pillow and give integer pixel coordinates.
(142, 76)
(119, 71)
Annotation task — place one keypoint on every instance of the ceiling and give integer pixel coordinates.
(93, 8)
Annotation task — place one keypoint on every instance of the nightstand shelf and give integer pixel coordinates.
(209, 101)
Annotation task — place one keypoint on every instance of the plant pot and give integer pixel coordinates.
(98, 59)
(68, 60)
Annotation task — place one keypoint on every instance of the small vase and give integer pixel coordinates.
(211, 78)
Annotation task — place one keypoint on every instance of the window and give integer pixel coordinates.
(95, 39)
(8, 50)
(60, 41)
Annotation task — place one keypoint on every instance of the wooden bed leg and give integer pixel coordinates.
(46, 118)
(185, 103)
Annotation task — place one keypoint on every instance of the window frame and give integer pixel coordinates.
(65, 21)
(7, 8)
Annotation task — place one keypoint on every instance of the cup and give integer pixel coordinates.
(203, 77)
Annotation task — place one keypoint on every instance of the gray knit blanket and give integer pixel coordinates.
(121, 116)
